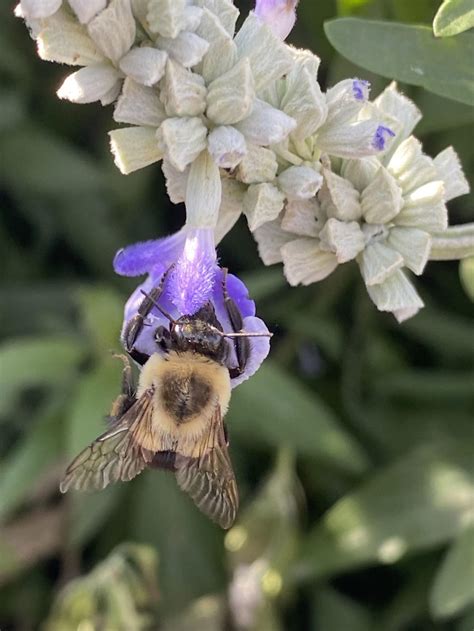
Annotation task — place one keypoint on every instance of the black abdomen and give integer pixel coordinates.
(185, 396)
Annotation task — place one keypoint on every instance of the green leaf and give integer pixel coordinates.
(425, 384)
(335, 612)
(189, 546)
(39, 450)
(39, 361)
(421, 501)
(102, 314)
(453, 17)
(440, 114)
(453, 589)
(467, 623)
(443, 66)
(274, 409)
(263, 283)
(466, 272)
(47, 165)
(95, 394)
(90, 512)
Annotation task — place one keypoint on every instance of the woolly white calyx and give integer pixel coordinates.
(144, 65)
(379, 261)
(303, 218)
(300, 182)
(89, 84)
(231, 96)
(139, 105)
(113, 30)
(134, 148)
(183, 92)
(224, 10)
(413, 244)
(182, 140)
(87, 9)
(269, 57)
(230, 208)
(344, 239)
(166, 17)
(304, 101)
(396, 294)
(63, 40)
(339, 198)
(258, 165)
(266, 125)
(226, 146)
(305, 262)
(203, 193)
(36, 9)
(360, 172)
(403, 113)
(381, 200)
(270, 238)
(187, 48)
(262, 203)
(449, 169)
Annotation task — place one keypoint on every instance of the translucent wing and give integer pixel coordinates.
(209, 478)
(116, 454)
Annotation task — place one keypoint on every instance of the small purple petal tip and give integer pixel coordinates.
(280, 15)
(361, 89)
(381, 136)
(140, 258)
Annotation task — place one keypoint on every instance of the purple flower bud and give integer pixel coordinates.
(194, 280)
(381, 136)
(361, 89)
(280, 15)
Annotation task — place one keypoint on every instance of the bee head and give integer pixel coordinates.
(196, 335)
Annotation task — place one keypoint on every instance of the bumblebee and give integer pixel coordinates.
(174, 419)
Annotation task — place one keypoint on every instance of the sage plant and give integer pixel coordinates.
(241, 125)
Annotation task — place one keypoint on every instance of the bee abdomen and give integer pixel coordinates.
(184, 397)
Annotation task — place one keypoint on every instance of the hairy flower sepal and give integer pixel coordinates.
(187, 263)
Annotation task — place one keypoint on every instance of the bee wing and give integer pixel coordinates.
(116, 454)
(209, 478)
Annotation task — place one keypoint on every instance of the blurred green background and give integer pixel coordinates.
(353, 445)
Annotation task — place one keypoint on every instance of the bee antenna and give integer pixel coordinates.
(247, 334)
(160, 309)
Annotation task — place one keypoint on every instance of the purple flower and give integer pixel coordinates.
(361, 89)
(194, 279)
(381, 136)
(280, 15)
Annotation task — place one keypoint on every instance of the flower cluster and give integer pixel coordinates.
(381, 211)
(241, 125)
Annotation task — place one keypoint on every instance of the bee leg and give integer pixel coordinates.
(135, 325)
(241, 344)
(127, 397)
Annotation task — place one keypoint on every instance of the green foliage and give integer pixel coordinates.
(453, 17)
(420, 501)
(453, 589)
(408, 53)
(353, 445)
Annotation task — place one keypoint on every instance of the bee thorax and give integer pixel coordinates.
(185, 396)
